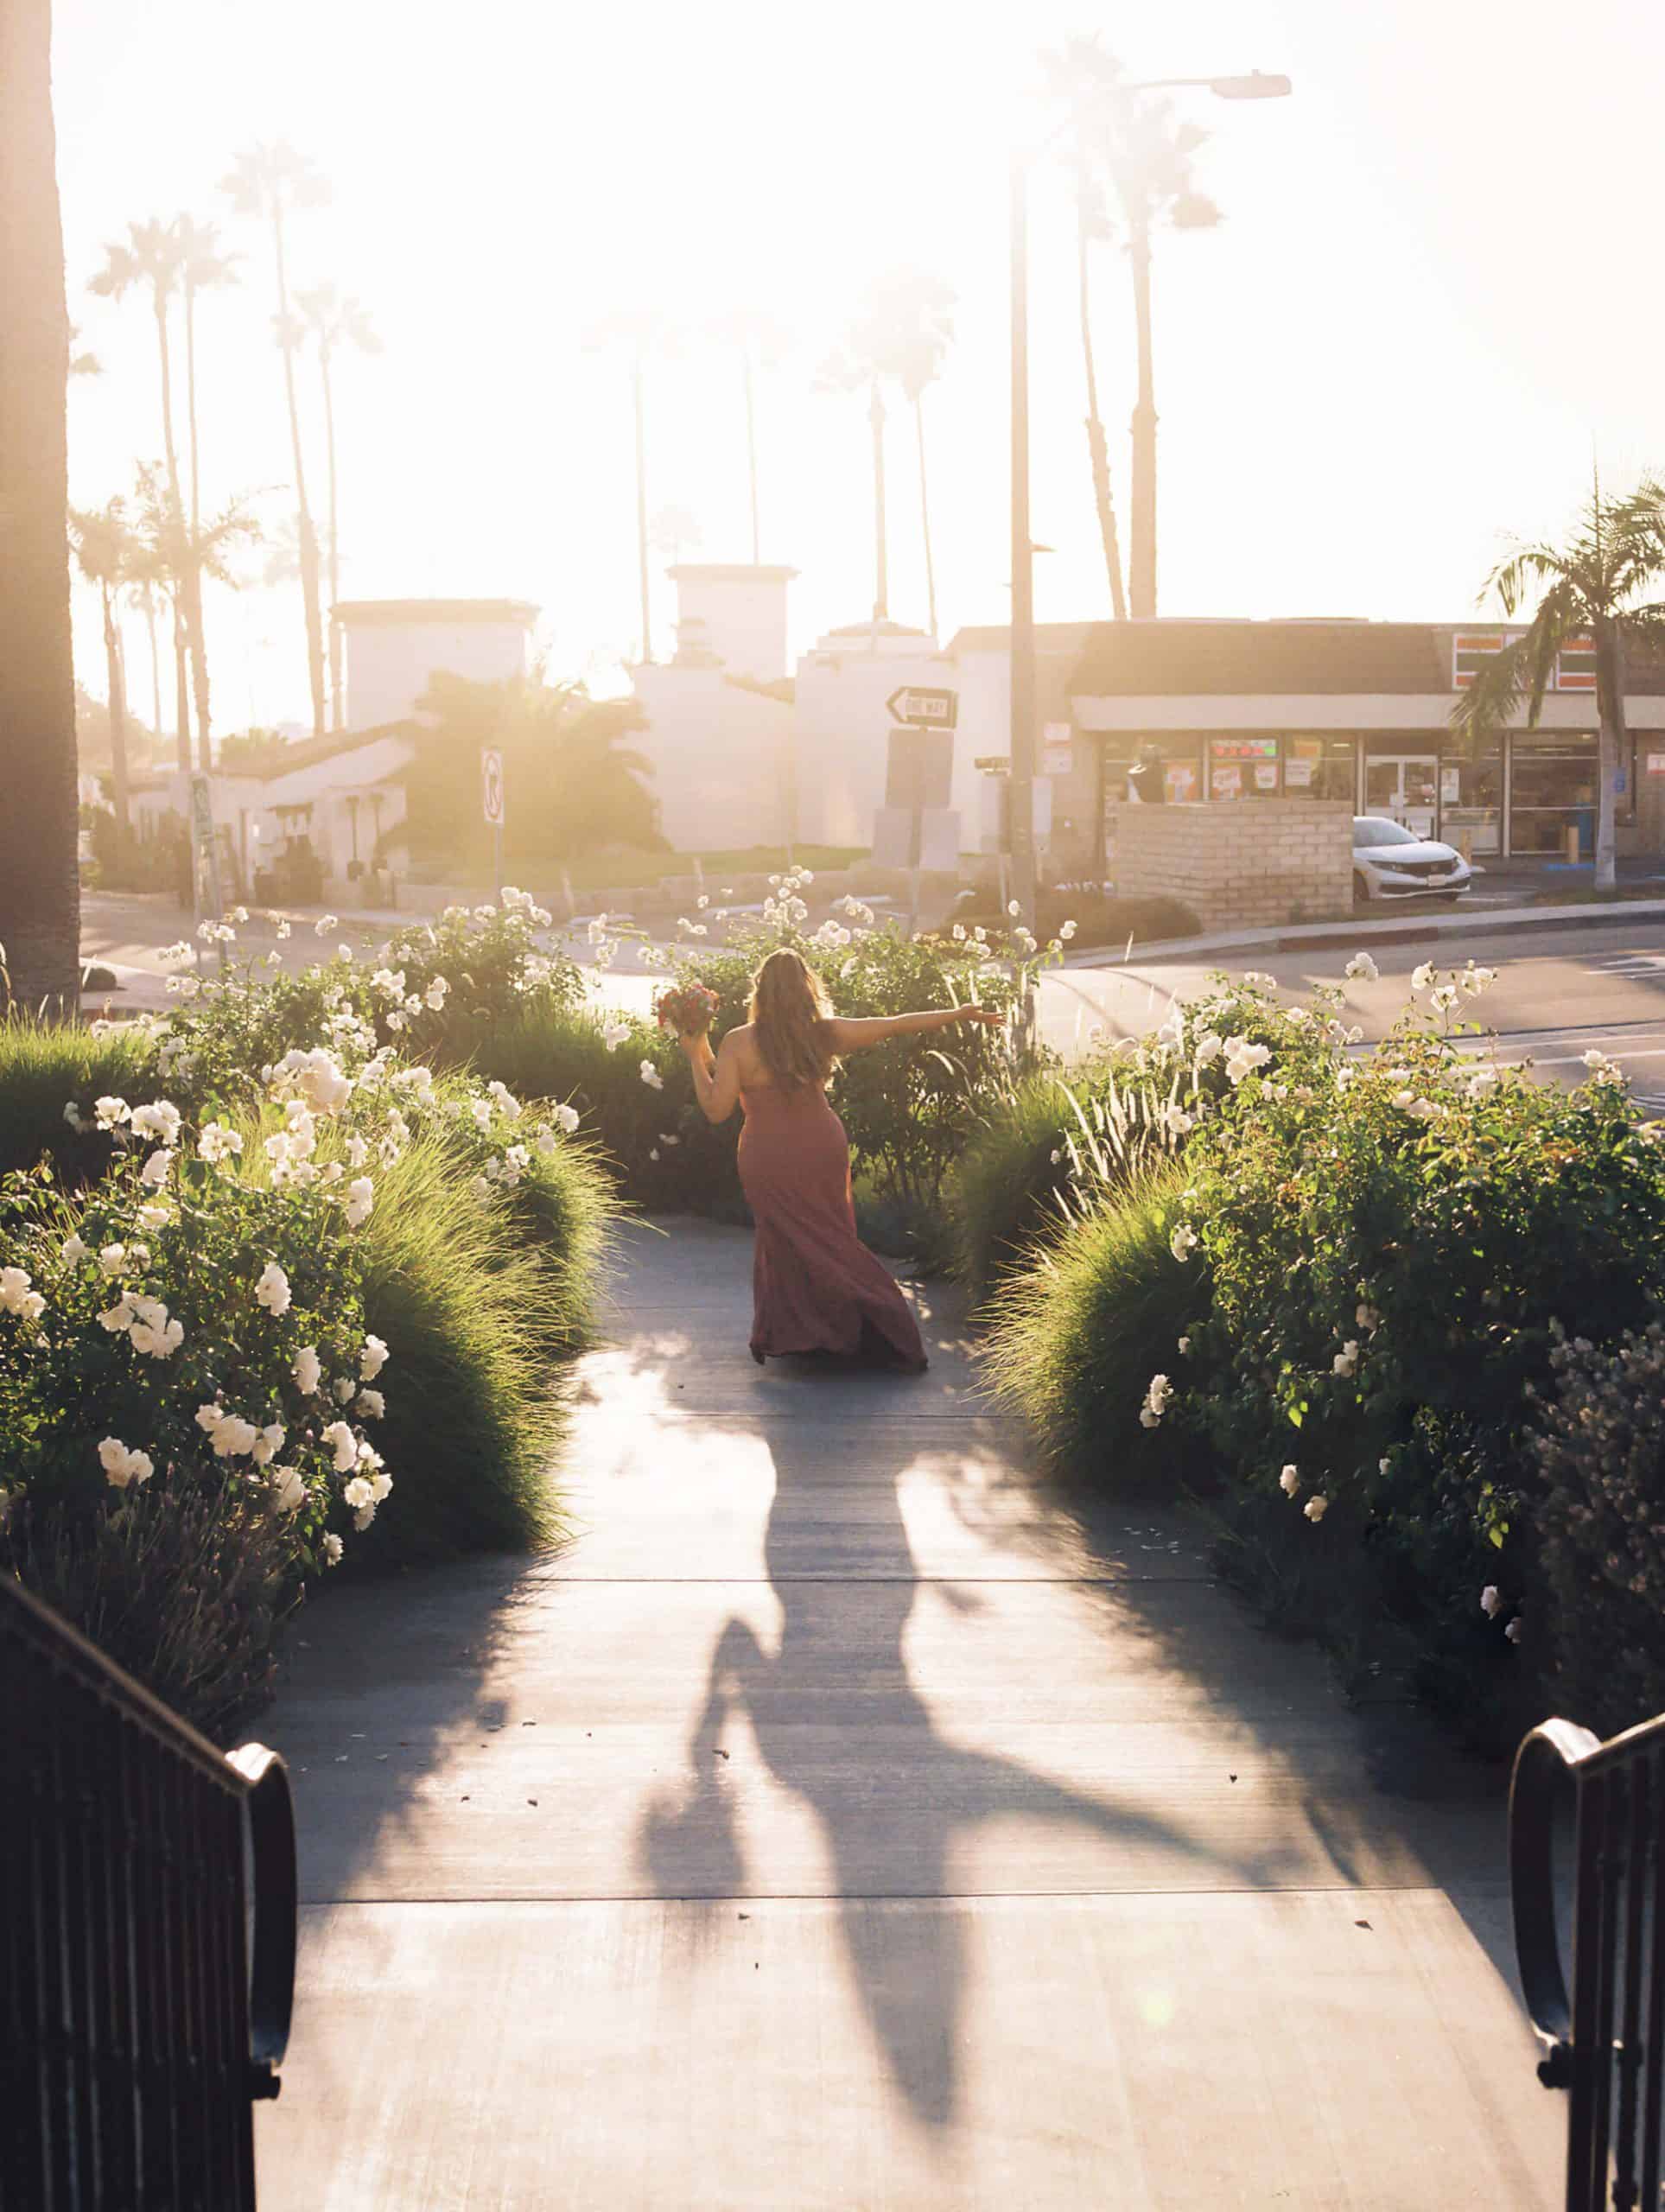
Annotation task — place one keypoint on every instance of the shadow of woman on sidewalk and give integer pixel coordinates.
(839, 1723)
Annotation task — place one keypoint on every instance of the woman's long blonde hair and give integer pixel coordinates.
(789, 1011)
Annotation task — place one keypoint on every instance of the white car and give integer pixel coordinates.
(1390, 862)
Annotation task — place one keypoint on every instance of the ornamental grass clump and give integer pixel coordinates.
(1085, 1338)
(45, 1066)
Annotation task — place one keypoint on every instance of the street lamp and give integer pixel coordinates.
(1259, 84)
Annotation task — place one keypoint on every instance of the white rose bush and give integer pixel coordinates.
(1364, 1257)
(265, 1263)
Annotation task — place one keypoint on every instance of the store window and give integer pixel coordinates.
(1244, 768)
(1182, 769)
(1552, 790)
(1472, 801)
(1321, 767)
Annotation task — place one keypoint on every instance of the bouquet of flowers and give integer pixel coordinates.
(689, 1009)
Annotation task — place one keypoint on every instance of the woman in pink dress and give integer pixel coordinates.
(815, 1286)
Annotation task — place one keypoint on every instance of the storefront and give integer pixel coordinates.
(1239, 712)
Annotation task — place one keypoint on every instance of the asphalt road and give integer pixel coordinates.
(1558, 993)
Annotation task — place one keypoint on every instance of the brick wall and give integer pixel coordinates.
(1245, 865)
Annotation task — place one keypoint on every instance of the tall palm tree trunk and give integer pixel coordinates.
(155, 666)
(198, 633)
(116, 681)
(305, 532)
(881, 579)
(641, 502)
(1610, 745)
(39, 883)
(1142, 577)
(1097, 453)
(337, 717)
(182, 681)
(190, 582)
(752, 453)
(924, 510)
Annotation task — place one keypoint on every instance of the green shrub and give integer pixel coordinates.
(435, 990)
(43, 1066)
(1077, 1334)
(1600, 1520)
(910, 1105)
(1100, 918)
(664, 1155)
(206, 1325)
(158, 1330)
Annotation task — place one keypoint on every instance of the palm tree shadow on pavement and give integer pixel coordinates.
(839, 1722)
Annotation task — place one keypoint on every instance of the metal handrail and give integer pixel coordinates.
(269, 1811)
(1605, 2043)
(1546, 1763)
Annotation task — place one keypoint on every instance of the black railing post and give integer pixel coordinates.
(139, 2023)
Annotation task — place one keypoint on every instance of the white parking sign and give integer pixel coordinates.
(491, 784)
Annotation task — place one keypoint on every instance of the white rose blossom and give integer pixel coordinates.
(360, 1200)
(1361, 968)
(1316, 1508)
(651, 1076)
(333, 1549)
(343, 1445)
(308, 1371)
(123, 1466)
(1289, 1481)
(372, 1358)
(272, 1291)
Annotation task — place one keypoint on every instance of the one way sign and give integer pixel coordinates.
(923, 708)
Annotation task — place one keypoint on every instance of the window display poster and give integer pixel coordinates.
(1181, 777)
(1226, 781)
(1244, 748)
(1298, 775)
(1266, 775)
(1450, 786)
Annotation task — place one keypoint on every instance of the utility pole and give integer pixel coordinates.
(1022, 816)
(1142, 566)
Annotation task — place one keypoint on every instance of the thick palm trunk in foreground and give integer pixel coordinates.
(39, 888)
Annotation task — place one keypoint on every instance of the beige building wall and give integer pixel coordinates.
(1238, 867)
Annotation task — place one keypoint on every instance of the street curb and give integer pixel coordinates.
(1362, 932)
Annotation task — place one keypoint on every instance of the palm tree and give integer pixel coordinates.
(174, 556)
(1143, 153)
(154, 256)
(578, 786)
(39, 882)
(1068, 73)
(334, 322)
(102, 546)
(145, 595)
(759, 342)
(203, 268)
(642, 331)
(902, 329)
(1593, 586)
(270, 183)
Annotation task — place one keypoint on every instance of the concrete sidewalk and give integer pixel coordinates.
(844, 1820)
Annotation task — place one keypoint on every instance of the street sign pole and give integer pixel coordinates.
(491, 799)
(1023, 564)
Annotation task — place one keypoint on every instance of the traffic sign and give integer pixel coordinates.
(924, 707)
(490, 784)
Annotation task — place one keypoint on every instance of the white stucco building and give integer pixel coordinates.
(843, 725)
(395, 646)
(720, 717)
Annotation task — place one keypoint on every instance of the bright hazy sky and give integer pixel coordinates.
(1436, 287)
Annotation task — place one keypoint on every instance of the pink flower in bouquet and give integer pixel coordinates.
(689, 1009)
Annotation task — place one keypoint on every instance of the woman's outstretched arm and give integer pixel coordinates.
(716, 1074)
(873, 1029)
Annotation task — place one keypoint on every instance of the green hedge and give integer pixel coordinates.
(1373, 1258)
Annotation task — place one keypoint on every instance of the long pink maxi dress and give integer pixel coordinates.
(815, 1285)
